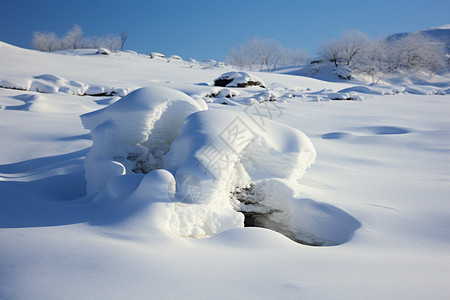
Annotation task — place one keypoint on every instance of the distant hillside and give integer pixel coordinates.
(441, 33)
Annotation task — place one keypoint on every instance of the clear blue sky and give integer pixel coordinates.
(209, 29)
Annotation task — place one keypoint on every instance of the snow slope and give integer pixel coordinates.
(379, 187)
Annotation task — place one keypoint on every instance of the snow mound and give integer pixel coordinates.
(157, 55)
(227, 169)
(345, 96)
(134, 133)
(227, 152)
(343, 72)
(363, 89)
(238, 79)
(48, 83)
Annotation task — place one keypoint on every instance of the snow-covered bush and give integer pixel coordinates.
(134, 133)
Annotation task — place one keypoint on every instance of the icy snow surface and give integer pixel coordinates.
(171, 224)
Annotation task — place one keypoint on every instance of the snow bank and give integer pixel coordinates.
(134, 133)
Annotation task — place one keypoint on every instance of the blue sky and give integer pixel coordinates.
(209, 29)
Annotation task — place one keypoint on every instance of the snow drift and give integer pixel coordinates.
(227, 152)
(227, 169)
(134, 133)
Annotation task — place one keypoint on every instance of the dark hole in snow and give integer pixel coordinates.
(262, 220)
(222, 82)
(257, 214)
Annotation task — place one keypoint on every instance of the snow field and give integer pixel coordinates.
(377, 191)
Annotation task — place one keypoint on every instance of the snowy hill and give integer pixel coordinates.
(123, 176)
(441, 34)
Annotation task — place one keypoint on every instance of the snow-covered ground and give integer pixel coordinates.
(125, 201)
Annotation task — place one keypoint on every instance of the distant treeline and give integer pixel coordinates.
(352, 53)
(74, 39)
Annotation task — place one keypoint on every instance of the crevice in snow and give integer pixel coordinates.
(272, 204)
(266, 210)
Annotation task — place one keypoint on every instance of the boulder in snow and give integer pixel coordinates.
(175, 57)
(157, 55)
(238, 79)
(103, 51)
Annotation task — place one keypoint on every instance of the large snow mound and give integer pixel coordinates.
(133, 134)
(220, 154)
(227, 169)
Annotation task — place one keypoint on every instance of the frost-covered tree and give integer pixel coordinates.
(73, 38)
(331, 51)
(354, 51)
(295, 57)
(346, 49)
(46, 41)
(354, 44)
(417, 53)
(268, 51)
(236, 58)
(265, 54)
(373, 61)
(112, 42)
